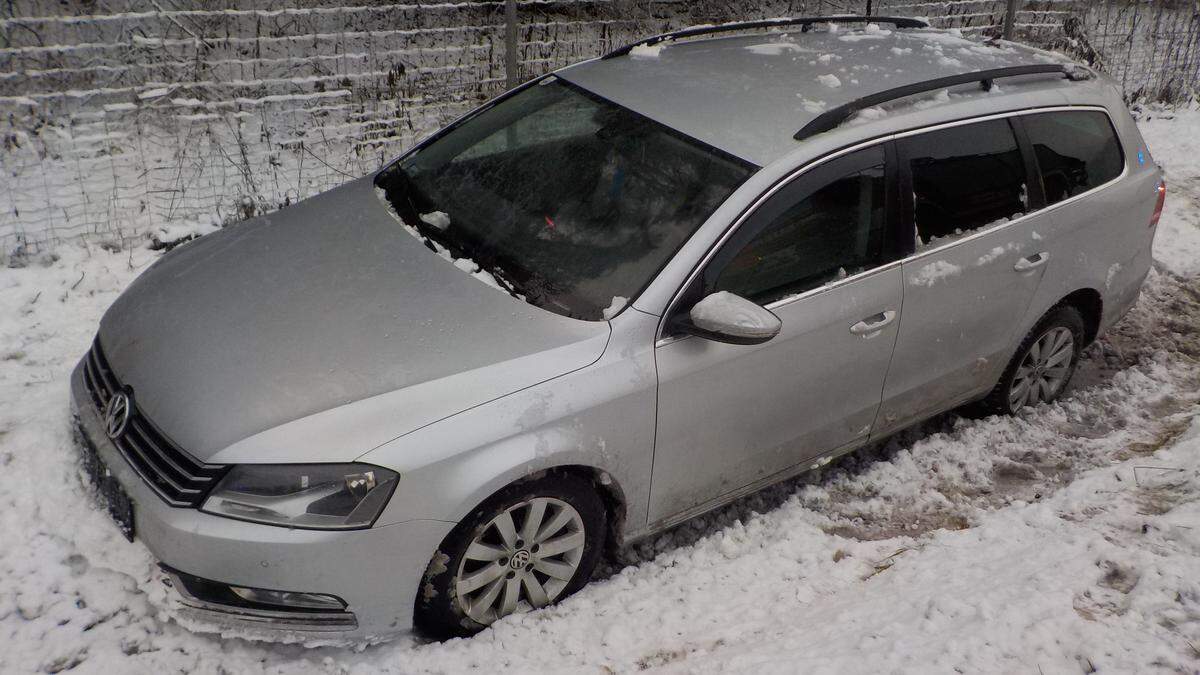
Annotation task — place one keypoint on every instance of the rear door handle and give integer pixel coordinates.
(874, 324)
(1032, 262)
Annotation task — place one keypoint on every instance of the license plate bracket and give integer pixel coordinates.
(107, 489)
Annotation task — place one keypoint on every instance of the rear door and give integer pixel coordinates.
(979, 258)
(1101, 239)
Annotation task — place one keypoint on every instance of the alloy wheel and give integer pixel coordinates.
(528, 553)
(1045, 369)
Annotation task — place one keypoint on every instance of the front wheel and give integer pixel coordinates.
(532, 544)
(1043, 364)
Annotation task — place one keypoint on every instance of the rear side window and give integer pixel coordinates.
(1076, 151)
(965, 178)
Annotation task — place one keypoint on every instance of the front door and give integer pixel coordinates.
(818, 254)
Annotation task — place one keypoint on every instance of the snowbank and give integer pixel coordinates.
(1178, 243)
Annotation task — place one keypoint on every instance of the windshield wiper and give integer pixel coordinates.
(458, 250)
(503, 278)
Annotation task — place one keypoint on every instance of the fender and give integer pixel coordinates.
(600, 418)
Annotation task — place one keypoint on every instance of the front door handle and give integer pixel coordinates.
(873, 324)
(1032, 262)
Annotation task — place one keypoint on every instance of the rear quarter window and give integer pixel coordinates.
(1076, 151)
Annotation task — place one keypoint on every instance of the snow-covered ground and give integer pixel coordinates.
(1063, 541)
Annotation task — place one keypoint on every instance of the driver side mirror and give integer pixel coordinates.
(729, 318)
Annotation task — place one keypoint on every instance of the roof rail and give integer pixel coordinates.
(831, 118)
(805, 22)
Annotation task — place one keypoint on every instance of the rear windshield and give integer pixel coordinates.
(569, 200)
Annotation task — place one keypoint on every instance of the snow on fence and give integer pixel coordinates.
(137, 118)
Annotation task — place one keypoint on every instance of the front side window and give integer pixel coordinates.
(1076, 151)
(572, 201)
(826, 225)
(965, 178)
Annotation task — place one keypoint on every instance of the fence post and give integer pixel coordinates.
(510, 43)
(1010, 15)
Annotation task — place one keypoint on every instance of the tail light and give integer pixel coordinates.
(1158, 206)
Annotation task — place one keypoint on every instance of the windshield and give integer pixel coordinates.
(568, 200)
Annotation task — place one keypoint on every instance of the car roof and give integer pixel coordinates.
(749, 94)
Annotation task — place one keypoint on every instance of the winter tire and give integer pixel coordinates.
(1043, 365)
(530, 545)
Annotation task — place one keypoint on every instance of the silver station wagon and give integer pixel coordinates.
(613, 298)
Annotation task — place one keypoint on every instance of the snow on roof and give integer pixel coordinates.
(748, 94)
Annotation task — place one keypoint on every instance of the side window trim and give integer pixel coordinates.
(900, 244)
(896, 181)
(805, 185)
(806, 172)
(1013, 116)
(907, 204)
(908, 192)
(1036, 166)
(1035, 191)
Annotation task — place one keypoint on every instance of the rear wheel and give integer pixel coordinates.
(1043, 364)
(532, 544)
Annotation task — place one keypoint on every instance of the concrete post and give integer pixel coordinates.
(511, 65)
(1010, 15)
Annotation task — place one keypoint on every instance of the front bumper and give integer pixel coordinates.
(376, 571)
(198, 596)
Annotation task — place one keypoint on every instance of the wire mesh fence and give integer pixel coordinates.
(130, 119)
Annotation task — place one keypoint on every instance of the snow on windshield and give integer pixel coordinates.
(465, 264)
(438, 219)
(568, 199)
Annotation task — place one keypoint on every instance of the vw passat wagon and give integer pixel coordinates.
(609, 300)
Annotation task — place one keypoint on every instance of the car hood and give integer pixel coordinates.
(316, 307)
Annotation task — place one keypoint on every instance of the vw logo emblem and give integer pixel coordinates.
(116, 415)
(519, 559)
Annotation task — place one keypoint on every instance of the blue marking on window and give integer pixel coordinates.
(1141, 157)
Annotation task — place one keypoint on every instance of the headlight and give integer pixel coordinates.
(317, 496)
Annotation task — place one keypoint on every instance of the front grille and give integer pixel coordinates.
(177, 477)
